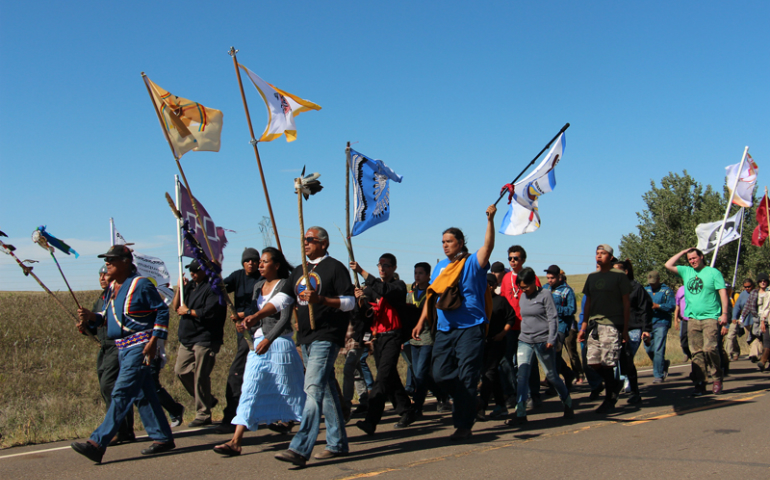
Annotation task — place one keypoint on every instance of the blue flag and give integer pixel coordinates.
(371, 191)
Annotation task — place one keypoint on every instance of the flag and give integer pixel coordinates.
(371, 191)
(146, 266)
(744, 192)
(189, 125)
(708, 233)
(216, 234)
(46, 240)
(761, 231)
(282, 107)
(523, 215)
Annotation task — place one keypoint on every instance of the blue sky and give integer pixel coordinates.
(455, 97)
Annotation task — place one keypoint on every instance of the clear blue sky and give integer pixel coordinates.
(455, 97)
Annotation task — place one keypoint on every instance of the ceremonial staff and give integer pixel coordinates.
(254, 143)
(563, 129)
(8, 250)
(348, 239)
(39, 237)
(306, 186)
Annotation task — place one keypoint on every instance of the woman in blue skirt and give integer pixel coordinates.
(273, 383)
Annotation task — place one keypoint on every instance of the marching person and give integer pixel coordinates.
(242, 283)
(570, 343)
(707, 310)
(201, 333)
(272, 387)
(463, 310)
(381, 305)
(136, 318)
(332, 298)
(663, 304)
(566, 306)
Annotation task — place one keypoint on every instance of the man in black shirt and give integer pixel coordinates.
(201, 330)
(242, 283)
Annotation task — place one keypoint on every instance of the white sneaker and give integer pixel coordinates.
(627, 387)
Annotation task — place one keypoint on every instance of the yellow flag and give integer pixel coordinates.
(189, 125)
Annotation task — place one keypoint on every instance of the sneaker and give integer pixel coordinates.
(607, 405)
(156, 448)
(596, 392)
(498, 412)
(444, 407)
(700, 390)
(716, 387)
(89, 450)
(199, 423)
(406, 419)
(366, 427)
(634, 398)
(626, 387)
(666, 365)
(657, 380)
(177, 420)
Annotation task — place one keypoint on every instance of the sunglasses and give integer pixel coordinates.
(111, 259)
(514, 258)
(311, 239)
(385, 265)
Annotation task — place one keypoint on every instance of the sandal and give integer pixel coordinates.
(227, 450)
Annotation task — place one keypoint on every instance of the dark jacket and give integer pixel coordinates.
(207, 327)
(243, 286)
(641, 308)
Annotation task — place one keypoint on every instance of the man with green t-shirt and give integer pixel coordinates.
(607, 312)
(706, 299)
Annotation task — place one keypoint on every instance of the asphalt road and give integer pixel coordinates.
(668, 435)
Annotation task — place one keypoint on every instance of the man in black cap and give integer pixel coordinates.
(136, 319)
(201, 332)
(498, 270)
(241, 282)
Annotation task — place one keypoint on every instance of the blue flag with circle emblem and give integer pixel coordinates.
(371, 191)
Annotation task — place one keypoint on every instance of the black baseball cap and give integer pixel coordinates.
(117, 251)
(553, 270)
(193, 266)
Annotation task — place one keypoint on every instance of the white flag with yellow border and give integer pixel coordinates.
(282, 107)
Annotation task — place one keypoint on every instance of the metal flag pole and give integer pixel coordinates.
(563, 129)
(179, 247)
(349, 239)
(729, 204)
(254, 143)
(112, 232)
(740, 240)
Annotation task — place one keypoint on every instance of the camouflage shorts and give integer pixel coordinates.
(605, 350)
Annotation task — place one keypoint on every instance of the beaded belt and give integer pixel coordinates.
(135, 339)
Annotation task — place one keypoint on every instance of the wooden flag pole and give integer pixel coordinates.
(254, 143)
(347, 212)
(304, 260)
(563, 129)
(65, 279)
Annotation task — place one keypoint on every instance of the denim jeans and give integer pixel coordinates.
(406, 354)
(546, 358)
(657, 348)
(421, 360)
(349, 380)
(322, 399)
(368, 377)
(594, 379)
(134, 385)
(458, 356)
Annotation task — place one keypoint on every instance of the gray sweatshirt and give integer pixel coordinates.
(539, 318)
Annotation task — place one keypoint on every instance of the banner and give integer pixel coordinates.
(371, 191)
(146, 266)
(708, 233)
(744, 192)
(215, 234)
(760, 233)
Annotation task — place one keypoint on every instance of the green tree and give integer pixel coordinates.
(667, 226)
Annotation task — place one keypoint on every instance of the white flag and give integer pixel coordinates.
(146, 266)
(708, 233)
(744, 193)
(282, 107)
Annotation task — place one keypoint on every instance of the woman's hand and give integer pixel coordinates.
(263, 347)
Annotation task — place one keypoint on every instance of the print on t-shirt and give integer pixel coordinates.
(315, 283)
(695, 286)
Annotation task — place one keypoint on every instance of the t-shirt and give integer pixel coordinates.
(473, 287)
(502, 315)
(701, 290)
(539, 318)
(512, 293)
(605, 291)
(329, 278)
(681, 303)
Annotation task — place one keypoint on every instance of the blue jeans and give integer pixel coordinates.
(594, 379)
(134, 385)
(322, 399)
(421, 355)
(458, 356)
(547, 359)
(368, 377)
(657, 348)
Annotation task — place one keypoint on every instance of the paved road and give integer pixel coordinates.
(668, 435)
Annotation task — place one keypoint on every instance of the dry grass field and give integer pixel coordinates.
(48, 382)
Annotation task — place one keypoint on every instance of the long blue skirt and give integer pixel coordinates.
(273, 386)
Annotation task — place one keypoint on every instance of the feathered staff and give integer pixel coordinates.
(48, 242)
(8, 250)
(210, 268)
(306, 186)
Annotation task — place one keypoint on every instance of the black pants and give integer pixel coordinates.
(235, 380)
(107, 369)
(627, 366)
(387, 350)
(490, 379)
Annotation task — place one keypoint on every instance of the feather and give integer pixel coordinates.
(2, 234)
(7, 248)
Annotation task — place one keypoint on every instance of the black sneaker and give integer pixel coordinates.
(607, 405)
(157, 448)
(366, 427)
(88, 450)
(199, 423)
(406, 419)
(177, 420)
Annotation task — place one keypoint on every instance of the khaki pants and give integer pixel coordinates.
(755, 348)
(704, 347)
(193, 368)
(732, 347)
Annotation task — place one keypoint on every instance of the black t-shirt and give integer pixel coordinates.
(329, 278)
(243, 286)
(502, 313)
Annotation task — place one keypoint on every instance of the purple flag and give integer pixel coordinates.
(216, 234)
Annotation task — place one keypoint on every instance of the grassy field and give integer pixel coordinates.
(48, 383)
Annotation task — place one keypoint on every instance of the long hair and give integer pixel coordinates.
(626, 264)
(458, 234)
(526, 277)
(284, 267)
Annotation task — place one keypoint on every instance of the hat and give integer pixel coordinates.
(553, 270)
(653, 277)
(103, 269)
(118, 251)
(763, 276)
(497, 267)
(606, 248)
(193, 266)
(249, 254)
